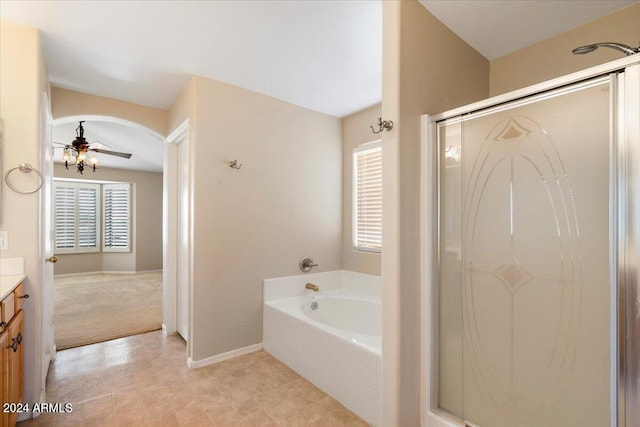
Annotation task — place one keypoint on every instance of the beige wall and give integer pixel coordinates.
(183, 108)
(256, 222)
(355, 131)
(435, 71)
(23, 83)
(65, 103)
(146, 251)
(553, 58)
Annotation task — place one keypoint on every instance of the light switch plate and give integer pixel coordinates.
(4, 241)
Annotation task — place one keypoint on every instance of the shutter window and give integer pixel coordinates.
(367, 197)
(76, 217)
(65, 216)
(117, 214)
(87, 217)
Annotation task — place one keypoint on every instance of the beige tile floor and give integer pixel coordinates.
(143, 380)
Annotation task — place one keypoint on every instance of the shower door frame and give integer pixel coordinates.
(625, 369)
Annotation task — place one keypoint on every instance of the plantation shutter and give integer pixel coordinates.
(65, 216)
(76, 217)
(87, 217)
(117, 214)
(367, 173)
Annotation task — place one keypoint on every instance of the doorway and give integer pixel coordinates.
(107, 230)
(178, 235)
(182, 165)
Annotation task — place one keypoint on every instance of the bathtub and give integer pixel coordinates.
(331, 337)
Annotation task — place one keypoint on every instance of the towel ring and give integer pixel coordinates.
(24, 168)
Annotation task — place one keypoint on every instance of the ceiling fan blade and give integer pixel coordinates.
(111, 153)
(60, 143)
(99, 145)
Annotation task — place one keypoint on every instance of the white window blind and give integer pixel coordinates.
(76, 217)
(367, 197)
(117, 214)
(88, 217)
(65, 216)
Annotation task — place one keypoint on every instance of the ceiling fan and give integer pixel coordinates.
(76, 152)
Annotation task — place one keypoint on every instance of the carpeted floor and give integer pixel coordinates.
(99, 307)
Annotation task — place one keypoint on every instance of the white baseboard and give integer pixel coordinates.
(77, 274)
(166, 331)
(86, 273)
(132, 272)
(224, 356)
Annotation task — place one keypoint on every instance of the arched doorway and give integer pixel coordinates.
(107, 232)
(168, 194)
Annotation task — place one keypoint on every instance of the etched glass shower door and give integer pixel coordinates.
(524, 283)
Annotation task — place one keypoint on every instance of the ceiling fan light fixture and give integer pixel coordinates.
(77, 153)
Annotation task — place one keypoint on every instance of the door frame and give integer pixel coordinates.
(45, 246)
(168, 262)
(171, 232)
(624, 369)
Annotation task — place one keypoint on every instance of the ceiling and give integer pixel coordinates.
(319, 54)
(498, 27)
(322, 55)
(147, 149)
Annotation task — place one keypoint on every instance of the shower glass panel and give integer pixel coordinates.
(524, 281)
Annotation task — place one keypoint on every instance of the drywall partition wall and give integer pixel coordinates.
(183, 108)
(553, 58)
(67, 103)
(23, 83)
(434, 71)
(356, 131)
(146, 253)
(257, 221)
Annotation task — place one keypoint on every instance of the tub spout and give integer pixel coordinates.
(311, 286)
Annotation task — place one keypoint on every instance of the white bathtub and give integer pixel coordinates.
(335, 346)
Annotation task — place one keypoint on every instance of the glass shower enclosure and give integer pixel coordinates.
(533, 285)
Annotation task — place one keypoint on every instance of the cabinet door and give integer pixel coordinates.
(19, 296)
(16, 362)
(4, 375)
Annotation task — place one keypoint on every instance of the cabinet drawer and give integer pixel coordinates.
(19, 293)
(7, 309)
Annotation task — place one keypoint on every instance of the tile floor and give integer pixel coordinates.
(143, 380)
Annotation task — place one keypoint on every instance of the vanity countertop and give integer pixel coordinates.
(9, 283)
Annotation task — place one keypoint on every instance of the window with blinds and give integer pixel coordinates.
(367, 197)
(76, 217)
(117, 214)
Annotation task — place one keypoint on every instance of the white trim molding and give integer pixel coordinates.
(86, 273)
(223, 356)
(171, 228)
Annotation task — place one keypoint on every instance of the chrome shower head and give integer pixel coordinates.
(628, 50)
(584, 49)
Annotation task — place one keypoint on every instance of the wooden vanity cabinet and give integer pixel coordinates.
(4, 385)
(15, 363)
(11, 354)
